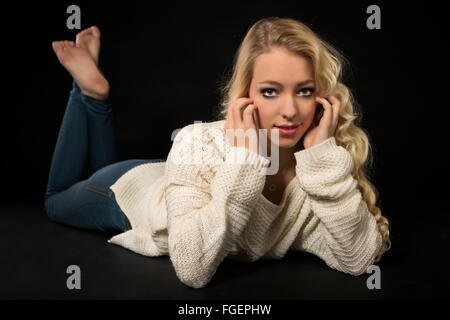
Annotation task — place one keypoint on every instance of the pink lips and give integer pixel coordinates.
(287, 131)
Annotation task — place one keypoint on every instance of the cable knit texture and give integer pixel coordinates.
(205, 203)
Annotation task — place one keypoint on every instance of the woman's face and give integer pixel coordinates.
(289, 101)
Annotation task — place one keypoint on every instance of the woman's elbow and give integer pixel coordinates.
(189, 267)
(191, 276)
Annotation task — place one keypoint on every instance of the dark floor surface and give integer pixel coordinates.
(35, 253)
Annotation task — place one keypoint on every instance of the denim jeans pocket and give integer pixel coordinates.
(100, 190)
(98, 184)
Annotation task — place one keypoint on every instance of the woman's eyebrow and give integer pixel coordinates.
(301, 83)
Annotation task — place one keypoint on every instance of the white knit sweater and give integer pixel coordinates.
(199, 207)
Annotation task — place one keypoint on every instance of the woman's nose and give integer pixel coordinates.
(289, 108)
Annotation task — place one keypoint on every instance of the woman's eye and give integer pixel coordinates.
(308, 92)
(266, 90)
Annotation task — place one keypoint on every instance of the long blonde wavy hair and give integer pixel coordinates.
(327, 64)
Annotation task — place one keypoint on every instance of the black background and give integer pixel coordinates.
(166, 60)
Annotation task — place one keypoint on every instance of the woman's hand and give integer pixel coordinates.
(242, 114)
(324, 125)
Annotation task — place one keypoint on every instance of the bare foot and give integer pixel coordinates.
(83, 69)
(89, 39)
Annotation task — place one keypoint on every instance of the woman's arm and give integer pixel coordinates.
(205, 218)
(342, 232)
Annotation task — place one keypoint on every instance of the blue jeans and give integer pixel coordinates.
(86, 140)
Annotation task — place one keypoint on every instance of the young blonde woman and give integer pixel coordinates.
(200, 205)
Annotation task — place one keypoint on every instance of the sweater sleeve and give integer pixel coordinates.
(207, 213)
(345, 236)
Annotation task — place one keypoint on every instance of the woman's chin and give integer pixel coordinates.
(286, 143)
